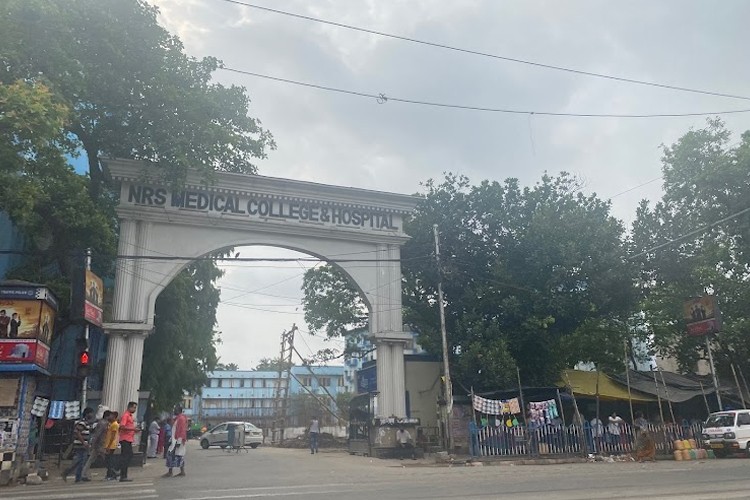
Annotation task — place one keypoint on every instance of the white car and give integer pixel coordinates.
(728, 432)
(219, 435)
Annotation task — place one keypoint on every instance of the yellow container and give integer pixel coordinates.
(678, 455)
(693, 444)
(678, 444)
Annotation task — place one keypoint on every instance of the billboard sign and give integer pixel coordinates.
(702, 316)
(24, 351)
(94, 299)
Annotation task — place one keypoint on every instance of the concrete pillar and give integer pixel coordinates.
(116, 352)
(131, 379)
(386, 329)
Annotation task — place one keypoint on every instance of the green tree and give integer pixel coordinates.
(523, 270)
(182, 349)
(271, 365)
(103, 78)
(695, 241)
(131, 89)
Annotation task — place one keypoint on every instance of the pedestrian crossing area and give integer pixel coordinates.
(96, 489)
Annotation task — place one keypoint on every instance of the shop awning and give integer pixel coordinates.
(584, 384)
(679, 388)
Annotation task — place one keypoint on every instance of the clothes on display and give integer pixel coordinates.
(543, 412)
(496, 406)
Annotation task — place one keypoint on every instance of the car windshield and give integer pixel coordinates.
(721, 420)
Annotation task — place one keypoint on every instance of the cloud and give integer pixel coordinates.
(346, 140)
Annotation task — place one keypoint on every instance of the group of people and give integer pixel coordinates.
(94, 439)
(645, 445)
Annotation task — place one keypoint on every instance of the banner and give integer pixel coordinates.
(702, 316)
(24, 351)
(94, 299)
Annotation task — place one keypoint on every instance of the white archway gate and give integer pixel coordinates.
(360, 230)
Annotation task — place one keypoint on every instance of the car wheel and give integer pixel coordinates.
(223, 446)
(747, 449)
(204, 444)
(254, 445)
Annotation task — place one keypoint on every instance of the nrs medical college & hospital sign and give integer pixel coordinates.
(260, 207)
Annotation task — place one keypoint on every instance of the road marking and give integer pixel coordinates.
(280, 494)
(73, 495)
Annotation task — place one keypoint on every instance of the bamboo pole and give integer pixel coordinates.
(578, 416)
(627, 377)
(658, 398)
(737, 381)
(666, 395)
(598, 416)
(705, 399)
(744, 382)
(520, 395)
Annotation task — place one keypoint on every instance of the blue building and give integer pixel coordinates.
(250, 395)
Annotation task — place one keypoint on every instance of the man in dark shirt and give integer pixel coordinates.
(81, 435)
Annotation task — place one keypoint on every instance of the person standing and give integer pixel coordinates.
(96, 449)
(4, 322)
(110, 444)
(153, 437)
(597, 433)
(615, 430)
(81, 433)
(314, 434)
(178, 448)
(166, 436)
(127, 436)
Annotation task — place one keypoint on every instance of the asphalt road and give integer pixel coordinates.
(289, 474)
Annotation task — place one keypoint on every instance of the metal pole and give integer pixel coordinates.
(520, 396)
(713, 373)
(85, 383)
(739, 389)
(444, 336)
(744, 382)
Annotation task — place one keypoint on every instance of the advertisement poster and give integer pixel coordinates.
(94, 299)
(20, 318)
(24, 351)
(701, 315)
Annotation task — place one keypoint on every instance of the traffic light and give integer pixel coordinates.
(84, 364)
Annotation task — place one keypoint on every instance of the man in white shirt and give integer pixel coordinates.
(314, 432)
(403, 440)
(614, 428)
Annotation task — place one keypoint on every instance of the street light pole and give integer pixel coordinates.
(446, 365)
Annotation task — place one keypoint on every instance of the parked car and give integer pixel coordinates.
(728, 432)
(219, 435)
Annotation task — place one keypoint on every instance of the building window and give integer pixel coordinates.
(214, 382)
(307, 381)
(258, 383)
(225, 382)
(187, 403)
(341, 382)
(324, 381)
(247, 382)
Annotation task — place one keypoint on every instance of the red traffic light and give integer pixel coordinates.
(84, 359)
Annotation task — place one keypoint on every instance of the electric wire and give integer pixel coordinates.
(443, 46)
(382, 98)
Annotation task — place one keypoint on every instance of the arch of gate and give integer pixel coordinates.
(360, 230)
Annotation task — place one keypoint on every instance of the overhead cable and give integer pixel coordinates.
(490, 55)
(382, 98)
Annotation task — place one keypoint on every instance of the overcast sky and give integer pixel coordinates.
(353, 141)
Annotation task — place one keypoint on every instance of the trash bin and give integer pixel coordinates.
(235, 436)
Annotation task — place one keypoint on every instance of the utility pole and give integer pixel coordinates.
(446, 365)
(85, 383)
(713, 373)
(282, 386)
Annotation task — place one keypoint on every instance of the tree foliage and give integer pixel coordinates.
(684, 249)
(271, 365)
(182, 349)
(226, 367)
(524, 270)
(104, 79)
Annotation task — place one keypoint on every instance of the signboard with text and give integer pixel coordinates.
(26, 319)
(94, 299)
